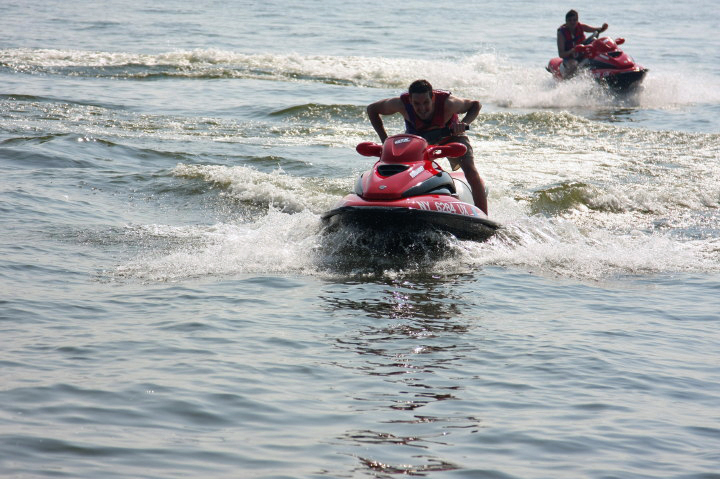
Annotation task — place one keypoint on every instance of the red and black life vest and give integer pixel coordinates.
(420, 127)
(572, 38)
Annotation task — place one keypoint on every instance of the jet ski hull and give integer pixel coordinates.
(624, 81)
(401, 219)
(407, 192)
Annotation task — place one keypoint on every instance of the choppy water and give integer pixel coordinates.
(169, 306)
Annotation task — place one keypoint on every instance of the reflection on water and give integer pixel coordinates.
(412, 470)
(623, 114)
(428, 301)
(408, 355)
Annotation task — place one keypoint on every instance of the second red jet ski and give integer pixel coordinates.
(605, 62)
(406, 190)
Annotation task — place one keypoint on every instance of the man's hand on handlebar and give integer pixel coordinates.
(459, 128)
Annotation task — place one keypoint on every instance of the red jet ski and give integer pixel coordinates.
(605, 62)
(407, 191)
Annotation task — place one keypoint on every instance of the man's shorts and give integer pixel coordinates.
(578, 58)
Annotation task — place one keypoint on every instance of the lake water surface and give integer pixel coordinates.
(170, 306)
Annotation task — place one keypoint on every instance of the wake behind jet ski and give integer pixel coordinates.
(407, 191)
(605, 62)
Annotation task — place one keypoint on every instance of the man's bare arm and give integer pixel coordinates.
(471, 108)
(588, 28)
(562, 53)
(388, 106)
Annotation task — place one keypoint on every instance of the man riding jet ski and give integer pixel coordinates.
(433, 115)
(406, 190)
(600, 57)
(569, 37)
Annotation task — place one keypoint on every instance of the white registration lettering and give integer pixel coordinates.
(424, 205)
(447, 207)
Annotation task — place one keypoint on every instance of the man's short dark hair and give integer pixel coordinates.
(571, 13)
(420, 86)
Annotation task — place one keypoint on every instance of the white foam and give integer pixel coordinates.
(282, 243)
(275, 189)
(487, 76)
(276, 243)
(560, 248)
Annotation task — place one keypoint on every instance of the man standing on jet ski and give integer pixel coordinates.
(433, 115)
(570, 35)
